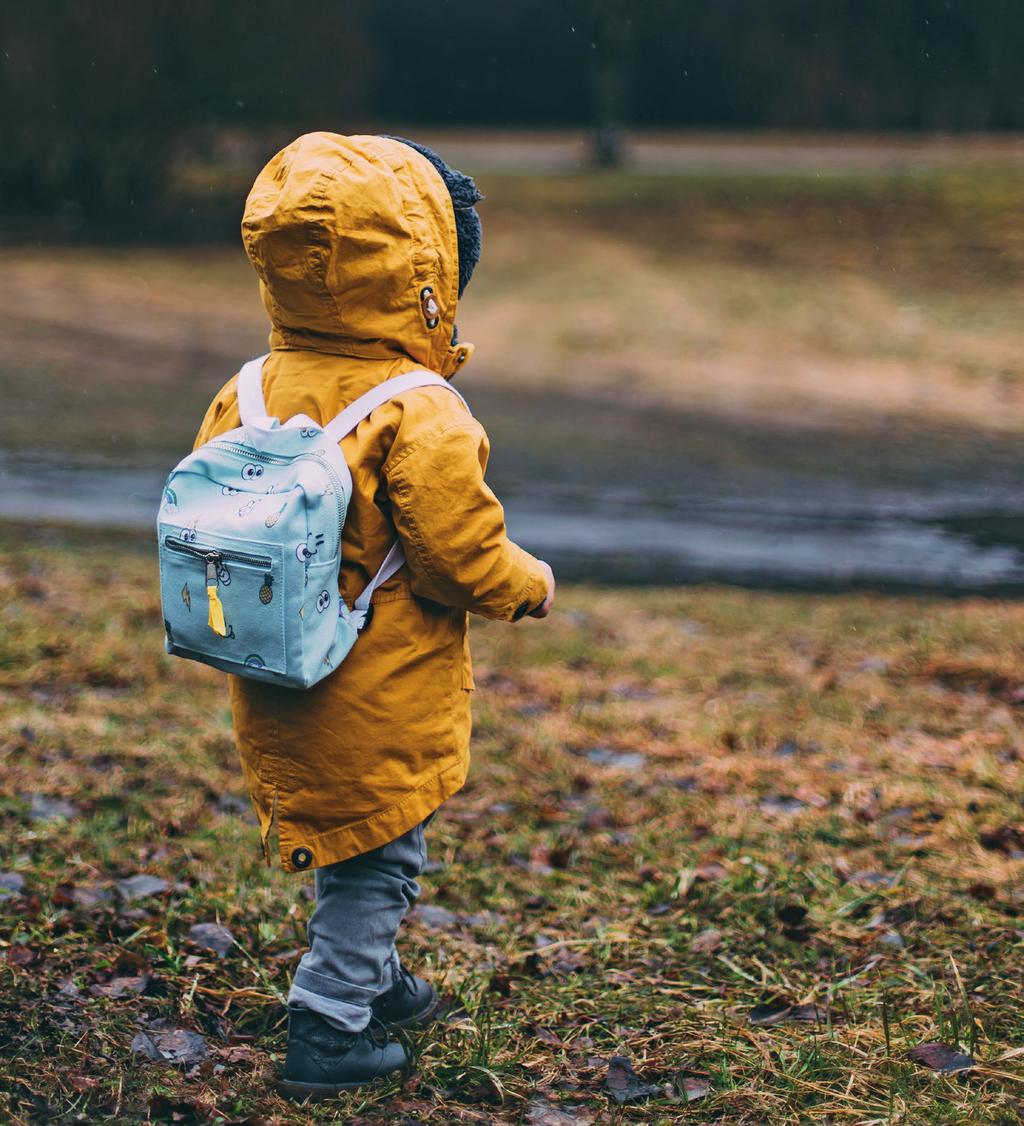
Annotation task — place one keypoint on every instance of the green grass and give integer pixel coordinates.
(832, 784)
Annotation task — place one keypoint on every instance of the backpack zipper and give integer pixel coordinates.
(202, 552)
(249, 454)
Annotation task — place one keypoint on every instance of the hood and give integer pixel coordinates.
(354, 242)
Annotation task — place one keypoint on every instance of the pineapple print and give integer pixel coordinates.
(267, 589)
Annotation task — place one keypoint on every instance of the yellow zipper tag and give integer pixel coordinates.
(216, 617)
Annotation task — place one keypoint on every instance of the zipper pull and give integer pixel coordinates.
(216, 618)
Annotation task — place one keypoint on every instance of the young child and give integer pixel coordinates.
(363, 246)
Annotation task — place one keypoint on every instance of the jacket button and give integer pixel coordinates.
(302, 858)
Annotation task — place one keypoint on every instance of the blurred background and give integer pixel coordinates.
(749, 307)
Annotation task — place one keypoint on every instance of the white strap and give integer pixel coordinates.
(344, 424)
(394, 560)
(251, 405)
(355, 412)
(253, 410)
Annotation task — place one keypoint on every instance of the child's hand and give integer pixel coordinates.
(544, 608)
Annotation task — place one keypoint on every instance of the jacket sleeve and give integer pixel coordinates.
(452, 526)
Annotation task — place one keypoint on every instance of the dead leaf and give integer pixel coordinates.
(171, 1045)
(808, 1013)
(941, 1058)
(141, 886)
(616, 760)
(773, 1011)
(212, 936)
(707, 941)
(11, 883)
(1006, 838)
(119, 987)
(792, 914)
(624, 1085)
(544, 1114)
(777, 804)
(691, 1087)
(45, 808)
(434, 917)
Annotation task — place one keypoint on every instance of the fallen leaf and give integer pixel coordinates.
(781, 804)
(616, 760)
(119, 987)
(808, 1013)
(436, 918)
(141, 886)
(691, 1087)
(212, 936)
(941, 1058)
(11, 883)
(171, 1045)
(623, 1083)
(707, 941)
(544, 1114)
(45, 808)
(769, 1012)
(1006, 838)
(792, 914)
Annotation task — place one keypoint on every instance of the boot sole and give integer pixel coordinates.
(420, 1019)
(318, 1092)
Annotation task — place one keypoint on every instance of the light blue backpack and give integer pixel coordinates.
(250, 541)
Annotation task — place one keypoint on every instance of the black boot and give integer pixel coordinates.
(409, 1003)
(323, 1061)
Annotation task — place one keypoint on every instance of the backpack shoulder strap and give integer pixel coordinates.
(251, 405)
(344, 424)
(355, 412)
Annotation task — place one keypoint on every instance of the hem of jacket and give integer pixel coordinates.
(380, 828)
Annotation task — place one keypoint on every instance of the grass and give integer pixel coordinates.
(836, 303)
(820, 807)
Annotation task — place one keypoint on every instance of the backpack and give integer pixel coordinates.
(250, 541)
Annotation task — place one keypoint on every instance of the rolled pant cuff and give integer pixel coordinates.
(342, 1014)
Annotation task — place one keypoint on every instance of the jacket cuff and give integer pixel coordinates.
(530, 597)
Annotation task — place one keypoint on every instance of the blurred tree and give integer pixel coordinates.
(97, 95)
(612, 34)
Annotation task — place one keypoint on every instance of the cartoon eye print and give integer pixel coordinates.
(304, 552)
(255, 661)
(228, 491)
(252, 472)
(223, 575)
(188, 534)
(308, 431)
(323, 601)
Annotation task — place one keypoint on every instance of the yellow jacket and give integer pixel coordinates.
(345, 234)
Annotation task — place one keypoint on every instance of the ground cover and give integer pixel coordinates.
(762, 847)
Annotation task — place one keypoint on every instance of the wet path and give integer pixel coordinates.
(955, 543)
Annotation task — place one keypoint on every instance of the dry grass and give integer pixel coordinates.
(820, 802)
(839, 303)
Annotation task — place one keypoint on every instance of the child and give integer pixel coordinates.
(363, 246)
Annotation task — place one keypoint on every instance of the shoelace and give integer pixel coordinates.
(406, 979)
(377, 1033)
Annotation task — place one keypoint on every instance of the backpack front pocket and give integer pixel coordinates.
(223, 600)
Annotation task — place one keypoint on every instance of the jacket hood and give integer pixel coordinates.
(354, 242)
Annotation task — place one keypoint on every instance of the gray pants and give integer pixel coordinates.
(360, 904)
